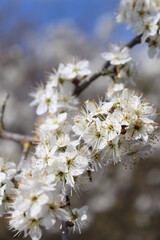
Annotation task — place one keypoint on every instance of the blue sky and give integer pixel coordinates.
(82, 13)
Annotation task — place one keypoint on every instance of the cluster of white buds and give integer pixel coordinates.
(144, 16)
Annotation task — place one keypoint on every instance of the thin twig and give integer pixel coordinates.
(79, 89)
(11, 135)
(25, 151)
(3, 111)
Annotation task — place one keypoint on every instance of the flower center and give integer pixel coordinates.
(48, 101)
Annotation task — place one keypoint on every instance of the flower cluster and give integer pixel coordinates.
(144, 15)
(116, 127)
(57, 151)
(66, 154)
(7, 172)
(57, 93)
(121, 71)
(62, 157)
(59, 161)
(36, 204)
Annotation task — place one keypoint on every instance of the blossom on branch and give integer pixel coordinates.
(117, 56)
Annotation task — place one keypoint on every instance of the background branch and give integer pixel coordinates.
(3, 111)
(10, 135)
(20, 138)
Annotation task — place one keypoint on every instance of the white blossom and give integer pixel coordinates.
(148, 28)
(154, 46)
(7, 170)
(78, 70)
(117, 56)
(79, 218)
(46, 100)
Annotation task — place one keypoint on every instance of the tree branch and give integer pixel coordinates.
(16, 137)
(3, 111)
(22, 139)
(64, 230)
(134, 42)
(80, 88)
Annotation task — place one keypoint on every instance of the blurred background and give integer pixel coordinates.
(35, 36)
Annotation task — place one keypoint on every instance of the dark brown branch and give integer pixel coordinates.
(64, 230)
(134, 42)
(80, 88)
